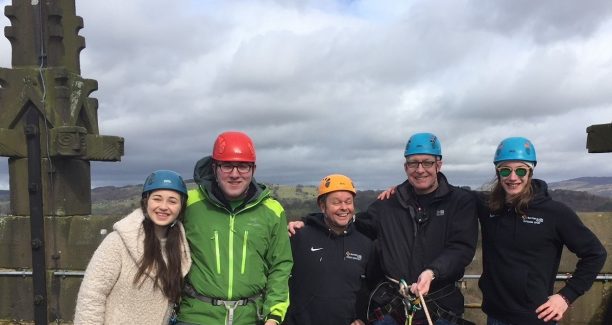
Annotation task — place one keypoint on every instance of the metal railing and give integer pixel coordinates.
(28, 273)
(67, 273)
(560, 276)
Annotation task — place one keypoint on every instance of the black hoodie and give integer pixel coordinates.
(521, 256)
(328, 274)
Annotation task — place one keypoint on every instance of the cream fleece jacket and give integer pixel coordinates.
(108, 294)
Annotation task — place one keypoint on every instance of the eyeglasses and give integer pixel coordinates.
(506, 171)
(415, 164)
(242, 168)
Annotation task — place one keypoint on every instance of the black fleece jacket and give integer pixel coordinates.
(521, 256)
(327, 284)
(443, 241)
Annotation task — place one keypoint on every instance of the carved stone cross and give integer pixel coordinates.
(45, 77)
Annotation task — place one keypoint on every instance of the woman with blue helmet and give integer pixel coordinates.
(136, 274)
(523, 234)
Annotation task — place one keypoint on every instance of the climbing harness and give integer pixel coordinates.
(412, 303)
(230, 305)
(173, 316)
(393, 299)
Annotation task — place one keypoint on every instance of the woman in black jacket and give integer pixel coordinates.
(523, 234)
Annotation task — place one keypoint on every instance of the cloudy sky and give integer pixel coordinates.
(339, 86)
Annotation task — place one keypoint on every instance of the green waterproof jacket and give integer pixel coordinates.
(236, 254)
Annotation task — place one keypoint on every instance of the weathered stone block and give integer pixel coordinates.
(61, 195)
(69, 241)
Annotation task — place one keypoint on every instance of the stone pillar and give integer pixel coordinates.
(599, 138)
(45, 74)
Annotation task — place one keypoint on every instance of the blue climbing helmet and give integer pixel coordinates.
(423, 144)
(164, 180)
(515, 149)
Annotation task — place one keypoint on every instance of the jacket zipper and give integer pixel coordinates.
(217, 254)
(244, 251)
(231, 257)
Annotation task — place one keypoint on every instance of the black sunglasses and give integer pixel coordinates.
(506, 171)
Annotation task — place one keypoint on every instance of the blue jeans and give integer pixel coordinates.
(388, 320)
(493, 321)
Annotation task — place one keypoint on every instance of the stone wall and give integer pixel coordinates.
(71, 240)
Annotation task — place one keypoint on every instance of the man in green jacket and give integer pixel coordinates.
(239, 243)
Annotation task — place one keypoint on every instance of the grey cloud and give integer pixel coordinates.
(326, 88)
(546, 21)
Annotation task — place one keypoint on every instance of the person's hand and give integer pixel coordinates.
(553, 309)
(386, 193)
(423, 283)
(293, 226)
(357, 322)
(271, 322)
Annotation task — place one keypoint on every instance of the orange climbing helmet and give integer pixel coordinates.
(234, 146)
(336, 182)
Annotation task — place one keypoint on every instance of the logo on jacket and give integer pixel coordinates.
(533, 220)
(439, 213)
(312, 249)
(352, 256)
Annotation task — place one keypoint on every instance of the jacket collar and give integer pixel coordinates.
(406, 194)
(317, 220)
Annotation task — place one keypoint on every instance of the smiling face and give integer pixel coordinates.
(338, 208)
(163, 207)
(234, 178)
(513, 184)
(422, 172)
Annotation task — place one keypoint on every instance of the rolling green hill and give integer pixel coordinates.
(298, 200)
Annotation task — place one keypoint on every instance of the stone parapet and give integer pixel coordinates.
(71, 241)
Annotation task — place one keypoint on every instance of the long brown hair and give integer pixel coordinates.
(497, 198)
(168, 275)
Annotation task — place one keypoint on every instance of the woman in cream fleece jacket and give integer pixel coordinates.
(136, 274)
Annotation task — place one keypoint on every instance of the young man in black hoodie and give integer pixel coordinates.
(523, 234)
(327, 284)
